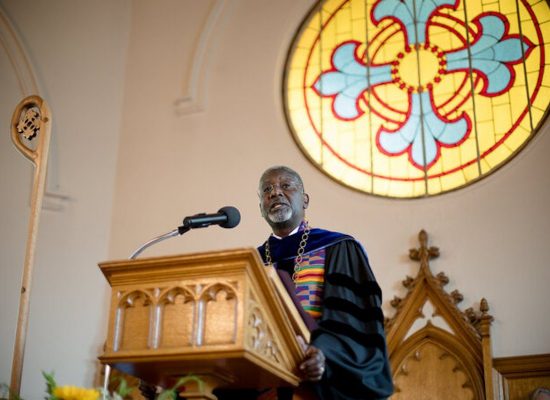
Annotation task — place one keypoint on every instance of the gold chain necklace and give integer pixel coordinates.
(299, 255)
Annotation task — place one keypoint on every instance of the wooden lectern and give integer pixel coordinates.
(221, 316)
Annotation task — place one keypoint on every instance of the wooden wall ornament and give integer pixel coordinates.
(445, 352)
(30, 133)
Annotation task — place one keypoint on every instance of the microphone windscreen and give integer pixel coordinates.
(233, 216)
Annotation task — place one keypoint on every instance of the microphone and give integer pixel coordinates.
(226, 217)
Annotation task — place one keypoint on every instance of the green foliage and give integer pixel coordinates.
(172, 393)
(50, 385)
(122, 390)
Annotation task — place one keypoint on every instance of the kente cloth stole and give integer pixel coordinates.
(310, 282)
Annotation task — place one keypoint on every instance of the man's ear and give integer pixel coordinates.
(306, 200)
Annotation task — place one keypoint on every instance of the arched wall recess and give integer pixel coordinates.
(18, 58)
(193, 98)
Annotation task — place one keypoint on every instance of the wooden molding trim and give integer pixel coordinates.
(523, 366)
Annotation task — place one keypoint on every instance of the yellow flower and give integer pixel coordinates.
(75, 393)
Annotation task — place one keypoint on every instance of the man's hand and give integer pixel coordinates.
(313, 365)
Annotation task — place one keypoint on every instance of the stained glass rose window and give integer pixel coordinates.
(412, 98)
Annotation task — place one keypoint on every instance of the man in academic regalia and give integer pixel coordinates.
(347, 356)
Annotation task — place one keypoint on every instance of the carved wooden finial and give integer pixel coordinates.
(423, 238)
(442, 278)
(484, 306)
(396, 301)
(407, 283)
(471, 315)
(485, 319)
(424, 253)
(457, 296)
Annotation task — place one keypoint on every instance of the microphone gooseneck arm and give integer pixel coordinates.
(175, 232)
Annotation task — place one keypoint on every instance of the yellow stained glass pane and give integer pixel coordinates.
(405, 108)
(451, 181)
(471, 172)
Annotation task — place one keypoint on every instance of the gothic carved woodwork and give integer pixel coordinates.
(215, 315)
(436, 350)
(418, 366)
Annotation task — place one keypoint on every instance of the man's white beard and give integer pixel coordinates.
(281, 215)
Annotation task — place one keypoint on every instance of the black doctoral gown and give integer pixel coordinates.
(350, 331)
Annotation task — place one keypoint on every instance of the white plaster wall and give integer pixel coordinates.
(493, 235)
(134, 168)
(78, 52)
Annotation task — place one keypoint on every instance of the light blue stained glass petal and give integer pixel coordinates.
(393, 8)
(488, 67)
(346, 107)
(510, 50)
(498, 79)
(492, 25)
(344, 60)
(413, 14)
(399, 10)
(457, 61)
(430, 148)
(434, 125)
(349, 83)
(379, 74)
(355, 89)
(486, 54)
(448, 132)
(425, 9)
(489, 53)
(330, 83)
(479, 47)
(397, 142)
(411, 128)
(453, 132)
(354, 80)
